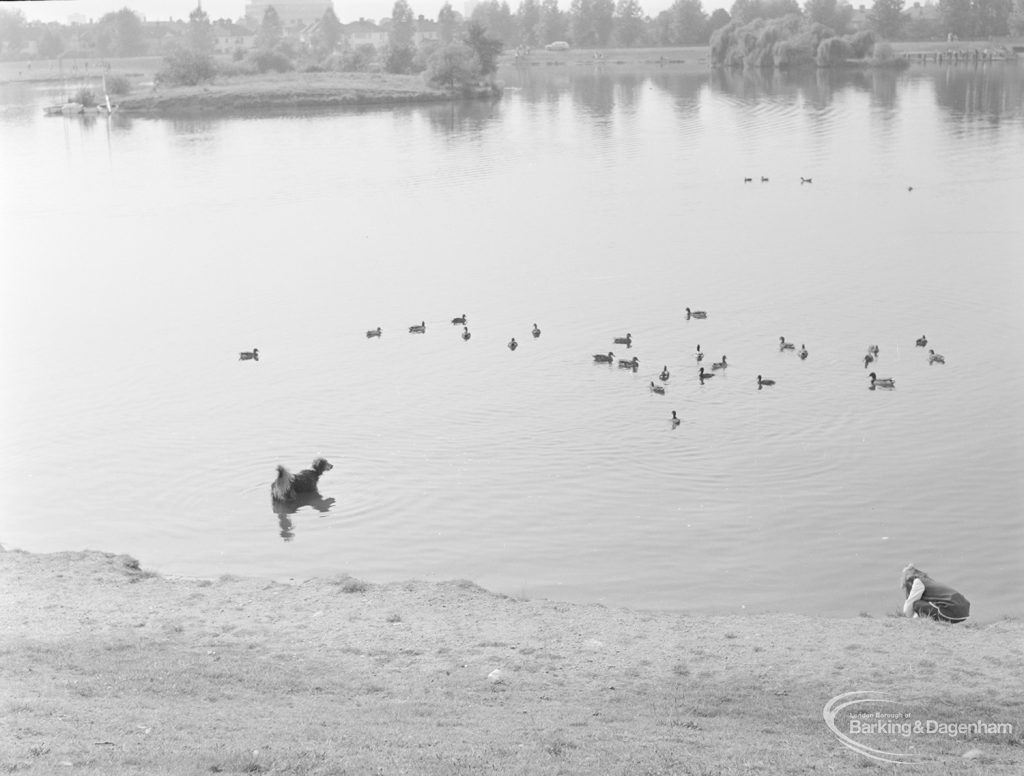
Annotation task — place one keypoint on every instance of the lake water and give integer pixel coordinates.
(140, 256)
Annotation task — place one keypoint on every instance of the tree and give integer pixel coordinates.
(271, 30)
(590, 22)
(12, 30)
(553, 24)
(718, 19)
(496, 17)
(887, 18)
(744, 11)
(51, 44)
(448, 22)
(684, 24)
(957, 17)
(120, 32)
(403, 25)
(1016, 18)
(830, 13)
(199, 37)
(454, 65)
(528, 22)
(992, 18)
(329, 33)
(629, 22)
(486, 48)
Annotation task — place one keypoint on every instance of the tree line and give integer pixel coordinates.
(535, 23)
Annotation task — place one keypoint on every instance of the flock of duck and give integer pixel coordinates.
(887, 383)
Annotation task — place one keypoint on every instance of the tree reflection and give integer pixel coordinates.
(463, 117)
(990, 90)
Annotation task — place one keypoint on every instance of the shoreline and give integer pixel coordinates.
(113, 669)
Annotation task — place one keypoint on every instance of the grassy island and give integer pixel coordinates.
(285, 91)
(111, 669)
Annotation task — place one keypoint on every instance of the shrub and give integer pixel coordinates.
(277, 61)
(186, 68)
(455, 66)
(118, 84)
(862, 43)
(86, 97)
(883, 53)
(398, 59)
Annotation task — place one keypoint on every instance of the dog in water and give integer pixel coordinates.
(288, 486)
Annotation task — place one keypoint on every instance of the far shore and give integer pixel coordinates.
(109, 668)
(328, 90)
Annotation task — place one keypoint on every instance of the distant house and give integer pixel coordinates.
(228, 38)
(363, 33)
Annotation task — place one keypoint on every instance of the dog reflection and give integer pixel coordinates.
(284, 510)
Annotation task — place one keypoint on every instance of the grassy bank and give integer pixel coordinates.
(108, 669)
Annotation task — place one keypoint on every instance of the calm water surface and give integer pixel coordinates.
(140, 256)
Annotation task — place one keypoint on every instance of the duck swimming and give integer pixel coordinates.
(935, 358)
(783, 345)
(921, 341)
(633, 363)
(881, 382)
(600, 359)
(465, 333)
(421, 329)
(373, 333)
(249, 355)
(512, 344)
(664, 375)
(460, 321)
(700, 355)
(802, 353)
(695, 314)
(675, 420)
(868, 359)
(657, 388)
(705, 375)
(536, 331)
(719, 364)
(627, 340)
(762, 382)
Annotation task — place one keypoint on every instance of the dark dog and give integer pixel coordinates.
(288, 486)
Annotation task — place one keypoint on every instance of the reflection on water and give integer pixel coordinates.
(285, 509)
(992, 90)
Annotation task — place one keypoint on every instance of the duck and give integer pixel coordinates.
(695, 313)
(664, 375)
(602, 359)
(783, 345)
(873, 350)
(921, 341)
(719, 364)
(804, 180)
(512, 344)
(536, 331)
(868, 359)
(657, 388)
(249, 355)
(460, 321)
(748, 180)
(465, 333)
(803, 352)
(675, 419)
(627, 340)
(881, 382)
(762, 381)
(764, 179)
(421, 329)
(373, 333)
(700, 355)
(935, 358)
(705, 375)
(633, 363)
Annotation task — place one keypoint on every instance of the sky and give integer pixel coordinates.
(347, 10)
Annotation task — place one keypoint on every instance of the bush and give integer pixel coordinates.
(883, 53)
(862, 43)
(118, 84)
(266, 61)
(186, 68)
(455, 66)
(398, 59)
(86, 97)
(833, 51)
